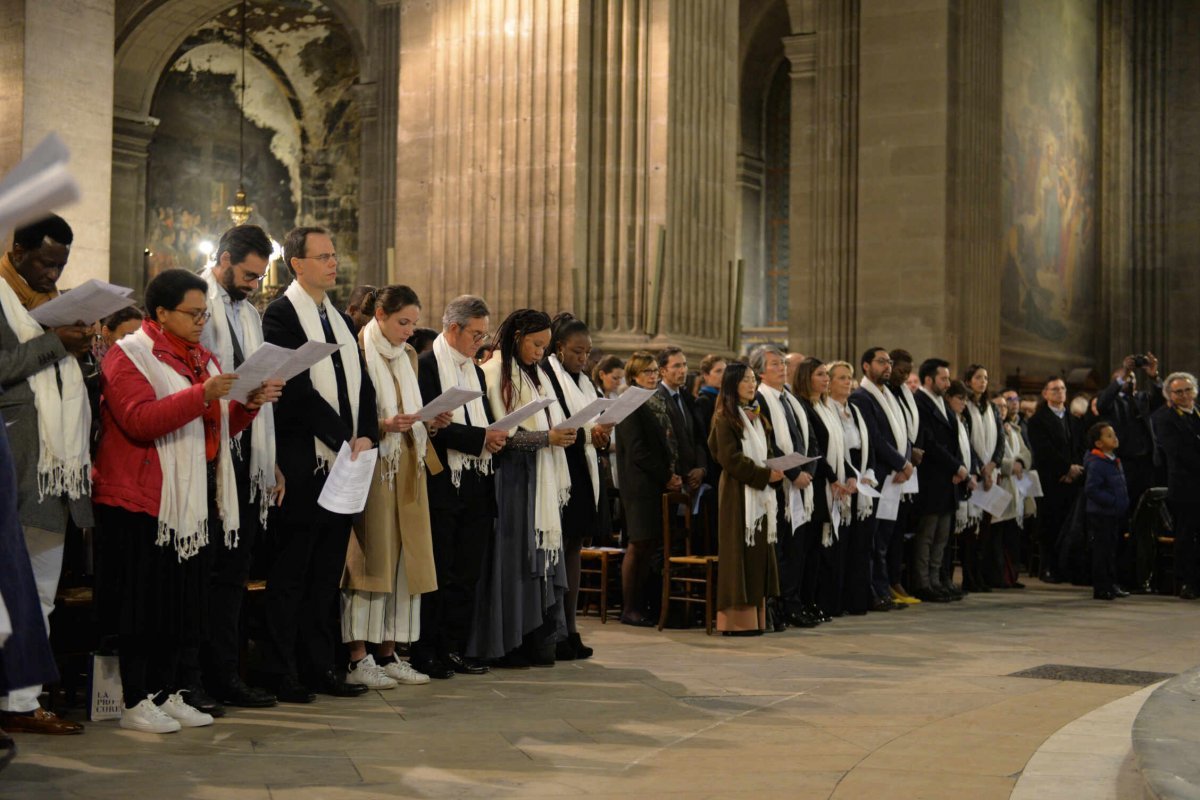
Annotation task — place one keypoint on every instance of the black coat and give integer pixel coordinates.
(1057, 444)
(1130, 416)
(887, 455)
(1179, 447)
(302, 413)
(706, 406)
(692, 447)
(645, 463)
(583, 515)
(473, 487)
(943, 459)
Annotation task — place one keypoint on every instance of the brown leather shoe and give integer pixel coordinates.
(40, 721)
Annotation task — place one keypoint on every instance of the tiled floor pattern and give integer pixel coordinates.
(912, 704)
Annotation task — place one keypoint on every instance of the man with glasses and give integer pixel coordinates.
(1177, 430)
(234, 333)
(461, 497)
(1057, 444)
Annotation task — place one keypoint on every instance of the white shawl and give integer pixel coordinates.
(553, 477)
(389, 366)
(799, 507)
(864, 471)
(984, 432)
(262, 432)
(967, 513)
(64, 417)
(893, 412)
(759, 503)
(321, 373)
(455, 369)
(836, 456)
(914, 415)
(183, 503)
(579, 392)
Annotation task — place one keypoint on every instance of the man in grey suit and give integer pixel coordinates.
(28, 274)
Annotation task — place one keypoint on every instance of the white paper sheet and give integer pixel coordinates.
(274, 362)
(629, 401)
(36, 186)
(88, 302)
(786, 462)
(349, 482)
(584, 415)
(888, 508)
(1029, 484)
(866, 490)
(521, 414)
(994, 501)
(448, 400)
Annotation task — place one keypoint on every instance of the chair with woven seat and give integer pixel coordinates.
(684, 574)
(607, 566)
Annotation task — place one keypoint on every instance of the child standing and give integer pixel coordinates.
(1107, 502)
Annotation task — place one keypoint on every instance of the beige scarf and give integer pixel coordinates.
(455, 369)
(389, 366)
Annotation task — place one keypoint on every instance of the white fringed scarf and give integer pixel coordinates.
(836, 456)
(914, 414)
(388, 366)
(578, 392)
(758, 503)
(183, 503)
(893, 412)
(455, 369)
(64, 417)
(553, 477)
(799, 507)
(323, 378)
(262, 432)
(984, 431)
(966, 513)
(865, 504)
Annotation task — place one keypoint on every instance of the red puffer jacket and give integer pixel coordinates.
(126, 472)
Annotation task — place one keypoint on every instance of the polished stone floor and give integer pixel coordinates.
(912, 704)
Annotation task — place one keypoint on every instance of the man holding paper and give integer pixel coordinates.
(45, 405)
(233, 334)
(330, 403)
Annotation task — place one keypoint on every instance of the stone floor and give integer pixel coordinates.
(911, 704)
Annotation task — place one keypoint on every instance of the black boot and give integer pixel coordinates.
(581, 650)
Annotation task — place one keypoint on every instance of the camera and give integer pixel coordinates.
(1140, 361)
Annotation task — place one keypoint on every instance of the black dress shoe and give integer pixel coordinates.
(334, 685)
(197, 698)
(293, 691)
(798, 619)
(881, 605)
(513, 660)
(1119, 592)
(742, 633)
(463, 666)
(1102, 596)
(930, 595)
(819, 615)
(1186, 592)
(581, 650)
(564, 651)
(433, 667)
(233, 691)
(542, 656)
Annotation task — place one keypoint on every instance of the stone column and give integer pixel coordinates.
(378, 105)
(801, 53)
(12, 83)
(131, 148)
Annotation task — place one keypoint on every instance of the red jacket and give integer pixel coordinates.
(126, 472)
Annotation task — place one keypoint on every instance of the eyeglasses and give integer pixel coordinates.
(253, 277)
(1184, 390)
(323, 258)
(479, 338)
(883, 360)
(198, 317)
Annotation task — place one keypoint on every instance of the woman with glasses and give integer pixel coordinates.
(164, 423)
(646, 458)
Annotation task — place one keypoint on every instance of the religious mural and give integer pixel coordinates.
(1050, 106)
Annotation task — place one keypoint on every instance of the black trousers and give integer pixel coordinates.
(300, 603)
(1186, 517)
(789, 554)
(881, 547)
(1053, 510)
(460, 536)
(861, 554)
(1104, 530)
(227, 588)
(809, 548)
(905, 523)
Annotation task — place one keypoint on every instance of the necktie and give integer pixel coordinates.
(793, 425)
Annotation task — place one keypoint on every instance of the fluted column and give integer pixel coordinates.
(801, 53)
(130, 154)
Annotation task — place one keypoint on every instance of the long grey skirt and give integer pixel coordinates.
(516, 595)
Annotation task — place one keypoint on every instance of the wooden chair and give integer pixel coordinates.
(605, 558)
(682, 575)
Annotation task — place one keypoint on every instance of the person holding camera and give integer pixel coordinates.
(1128, 403)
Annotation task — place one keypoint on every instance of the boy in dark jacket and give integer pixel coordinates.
(1107, 503)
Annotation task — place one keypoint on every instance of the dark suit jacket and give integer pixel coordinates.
(473, 487)
(887, 455)
(644, 455)
(693, 450)
(942, 460)
(1056, 445)
(1179, 446)
(302, 413)
(807, 448)
(1130, 417)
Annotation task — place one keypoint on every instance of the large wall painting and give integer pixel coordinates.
(1049, 178)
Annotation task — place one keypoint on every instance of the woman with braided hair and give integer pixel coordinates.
(519, 615)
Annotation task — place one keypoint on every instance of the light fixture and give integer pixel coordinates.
(240, 211)
(205, 247)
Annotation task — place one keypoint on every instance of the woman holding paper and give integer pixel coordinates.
(985, 429)
(519, 615)
(746, 524)
(1002, 561)
(967, 515)
(586, 513)
(389, 560)
(163, 424)
(845, 581)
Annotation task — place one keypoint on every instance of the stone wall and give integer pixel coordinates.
(12, 85)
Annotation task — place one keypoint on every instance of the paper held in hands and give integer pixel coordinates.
(994, 501)
(449, 400)
(274, 362)
(784, 463)
(349, 482)
(1029, 484)
(87, 303)
(39, 184)
(629, 401)
(521, 414)
(584, 415)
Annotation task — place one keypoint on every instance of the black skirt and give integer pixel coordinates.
(146, 589)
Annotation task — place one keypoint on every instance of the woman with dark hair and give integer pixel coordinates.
(746, 531)
(164, 422)
(957, 399)
(389, 561)
(609, 375)
(519, 615)
(981, 551)
(586, 513)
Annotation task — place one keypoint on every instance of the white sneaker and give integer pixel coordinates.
(188, 717)
(148, 718)
(404, 672)
(370, 674)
